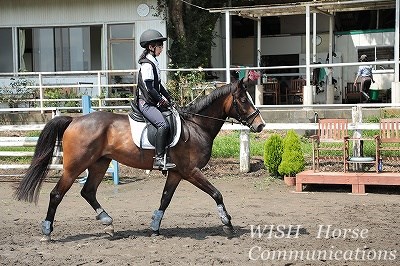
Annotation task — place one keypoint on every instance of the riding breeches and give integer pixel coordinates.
(153, 114)
(365, 84)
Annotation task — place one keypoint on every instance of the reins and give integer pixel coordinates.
(211, 117)
(240, 120)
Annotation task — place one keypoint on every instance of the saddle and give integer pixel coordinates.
(144, 133)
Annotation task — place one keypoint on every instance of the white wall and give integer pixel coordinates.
(42, 13)
(62, 12)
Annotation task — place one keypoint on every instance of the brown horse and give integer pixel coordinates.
(92, 141)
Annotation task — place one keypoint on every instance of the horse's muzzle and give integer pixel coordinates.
(257, 128)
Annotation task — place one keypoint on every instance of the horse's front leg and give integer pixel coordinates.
(199, 180)
(172, 182)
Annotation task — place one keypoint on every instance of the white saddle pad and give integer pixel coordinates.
(139, 132)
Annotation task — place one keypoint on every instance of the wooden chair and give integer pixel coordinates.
(353, 92)
(295, 91)
(272, 89)
(332, 135)
(388, 138)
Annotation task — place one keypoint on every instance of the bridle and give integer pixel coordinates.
(247, 121)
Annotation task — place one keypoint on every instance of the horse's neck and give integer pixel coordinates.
(212, 119)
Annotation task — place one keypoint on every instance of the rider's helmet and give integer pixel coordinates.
(149, 36)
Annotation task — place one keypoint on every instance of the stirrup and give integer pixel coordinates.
(160, 163)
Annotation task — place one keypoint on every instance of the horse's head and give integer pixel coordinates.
(243, 108)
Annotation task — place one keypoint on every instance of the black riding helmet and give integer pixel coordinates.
(149, 36)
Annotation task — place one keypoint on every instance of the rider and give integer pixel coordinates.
(152, 96)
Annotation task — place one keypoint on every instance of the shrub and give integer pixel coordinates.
(292, 157)
(17, 92)
(61, 93)
(273, 149)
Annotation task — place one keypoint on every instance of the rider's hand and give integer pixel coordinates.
(163, 103)
(172, 103)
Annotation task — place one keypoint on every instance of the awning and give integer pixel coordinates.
(322, 6)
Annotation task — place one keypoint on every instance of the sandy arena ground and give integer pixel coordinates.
(329, 222)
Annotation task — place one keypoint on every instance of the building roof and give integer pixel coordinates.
(296, 8)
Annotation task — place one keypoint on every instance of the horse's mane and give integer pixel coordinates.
(205, 101)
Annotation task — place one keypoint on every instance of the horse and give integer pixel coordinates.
(91, 141)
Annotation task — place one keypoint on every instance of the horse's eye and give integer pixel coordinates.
(243, 99)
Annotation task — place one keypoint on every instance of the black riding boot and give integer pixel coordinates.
(161, 160)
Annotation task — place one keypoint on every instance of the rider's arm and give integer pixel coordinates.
(146, 70)
(153, 92)
(165, 93)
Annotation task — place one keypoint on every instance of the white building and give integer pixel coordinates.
(75, 35)
(283, 39)
(59, 36)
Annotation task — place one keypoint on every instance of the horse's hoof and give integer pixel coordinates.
(109, 230)
(155, 233)
(228, 229)
(45, 238)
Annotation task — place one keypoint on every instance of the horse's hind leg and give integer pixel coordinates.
(56, 196)
(89, 190)
(199, 180)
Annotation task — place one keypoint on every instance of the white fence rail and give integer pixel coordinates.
(98, 83)
(355, 124)
(25, 142)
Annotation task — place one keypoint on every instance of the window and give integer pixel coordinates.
(60, 49)
(121, 54)
(6, 51)
(376, 54)
(121, 46)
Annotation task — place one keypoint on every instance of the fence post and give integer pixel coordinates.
(245, 151)
(259, 97)
(41, 93)
(99, 88)
(86, 109)
(356, 116)
(86, 104)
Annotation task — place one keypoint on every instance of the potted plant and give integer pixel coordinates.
(292, 158)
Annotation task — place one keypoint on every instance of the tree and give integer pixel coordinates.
(191, 29)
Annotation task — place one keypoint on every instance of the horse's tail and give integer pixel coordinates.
(29, 187)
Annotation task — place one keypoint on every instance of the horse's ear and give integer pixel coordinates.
(241, 81)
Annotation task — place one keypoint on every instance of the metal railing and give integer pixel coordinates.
(98, 82)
